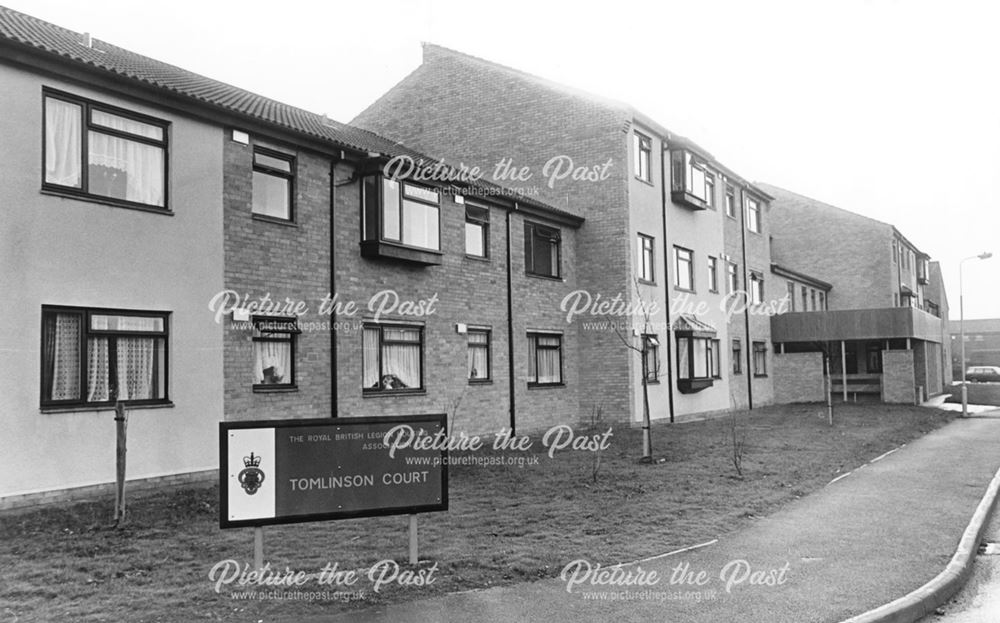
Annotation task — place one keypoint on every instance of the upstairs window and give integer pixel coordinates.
(273, 177)
(684, 268)
(642, 149)
(541, 250)
(791, 296)
(646, 271)
(92, 150)
(753, 215)
(737, 356)
(732, 277)
(730, 202)
(92, 356)
(477, 231)
(713, 274)
(692, 183)
(401, 221)
(756, 288)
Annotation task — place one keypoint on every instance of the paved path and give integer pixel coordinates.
(864, 540)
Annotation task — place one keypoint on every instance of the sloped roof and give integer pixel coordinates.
(39, 37)
(688, 323)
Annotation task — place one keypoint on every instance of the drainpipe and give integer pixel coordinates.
(333, 286)
(510, 328)
(666, 284)
(746, 291)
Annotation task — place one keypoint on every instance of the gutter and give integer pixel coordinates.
(510, 327)
(666, 284)
(746, 293)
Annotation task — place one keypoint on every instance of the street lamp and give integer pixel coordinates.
(961, 325)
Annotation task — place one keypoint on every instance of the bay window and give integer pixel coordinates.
(692, 183)
(392, 358)
(400, 221)
(98, 151)
(698, 356)
(95, 356)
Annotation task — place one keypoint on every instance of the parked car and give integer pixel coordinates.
(983, 374)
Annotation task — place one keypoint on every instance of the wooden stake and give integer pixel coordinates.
(413, 539)
(258, 548)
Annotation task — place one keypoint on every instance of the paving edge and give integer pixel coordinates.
(923, 601)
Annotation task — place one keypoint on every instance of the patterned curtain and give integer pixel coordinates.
(369, 357)
(98, 387)
(272, 363)
(402, 360)
(122, 168)
(62, 143)
(62, 356)
(136, 368)
(479, 367)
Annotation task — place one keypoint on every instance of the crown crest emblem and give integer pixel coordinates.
(252, 460)
(252, 476)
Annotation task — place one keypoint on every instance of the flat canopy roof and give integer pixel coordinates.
(856, 324)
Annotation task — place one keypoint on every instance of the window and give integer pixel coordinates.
(92, 356)
(730, 202)
(713, 274)
(401, 213)
(822, 301)
(697, 358)
(805, 299)
(732, 276)
(715, 359)
(791, 296)
(894, 251)
(737, 357)
(274, 352)
(759, 359)
(651, 357)
(479, 355)
(392, 358)
(691, 182)
(477, 231)
(756, 287)
(541, 250)
(684, 268)
(642, 148)
(273, 174)
(646, 271)
(753, 215)
(812, 298)
(544, 359)
(100, 151)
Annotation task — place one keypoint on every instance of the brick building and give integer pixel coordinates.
(205, 253)
(665, 223)
(872, 301)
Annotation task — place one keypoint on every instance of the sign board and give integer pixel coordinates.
(288, 471)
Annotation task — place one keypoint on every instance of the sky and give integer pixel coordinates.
(888, 108)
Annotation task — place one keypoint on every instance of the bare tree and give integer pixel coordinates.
(643, 351)
(596, 416)
(121, 431)
(738, 439)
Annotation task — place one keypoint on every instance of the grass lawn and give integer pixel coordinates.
(506, 524)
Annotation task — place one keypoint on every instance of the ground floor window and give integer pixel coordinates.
(95, 356)
(274, 352)
(479, 355)
(759, 359)
(698, 358)
(544, 359)
(392, 358)
(651, 355)
(737, 357)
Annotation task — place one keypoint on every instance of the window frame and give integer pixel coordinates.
(737, 352)
(647, 259)
(289, 175)
(489, 354)
(759, 348)
(484, 223)
(85, 314)
(730, 202)
(381, 326)
(642, 152)
(553, 234)
(651, 349)
(686, 344)
(374, 242)
(291, 338)
(536, 334)
(732, 276)
(790, 293)
(756, 293)
(678, 250)
(87, 106)
(753, 219)
(713, 274)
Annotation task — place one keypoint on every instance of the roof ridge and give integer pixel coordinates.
(813, 200)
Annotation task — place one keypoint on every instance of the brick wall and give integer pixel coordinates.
(897, 376)
(285, 261)
(798, 377)
(477, 113)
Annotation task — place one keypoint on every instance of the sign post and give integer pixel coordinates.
(289, 471)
